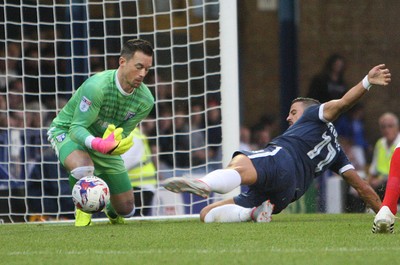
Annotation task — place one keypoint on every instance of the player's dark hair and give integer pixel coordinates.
(134, 45)
(306, 101)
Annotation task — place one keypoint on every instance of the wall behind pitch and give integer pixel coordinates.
(364, 32)
(258, 61)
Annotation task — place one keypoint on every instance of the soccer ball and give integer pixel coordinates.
(90, 194)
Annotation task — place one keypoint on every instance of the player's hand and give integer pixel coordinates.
(110, 140)
(124, 145)
(105, 146)
(379, 75)
(111, 129)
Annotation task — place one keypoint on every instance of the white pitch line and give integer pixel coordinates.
(203, 251)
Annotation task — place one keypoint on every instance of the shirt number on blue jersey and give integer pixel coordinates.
(324, 148)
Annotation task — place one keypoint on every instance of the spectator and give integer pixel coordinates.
(3, 111)
(197, 136)
(142, 173)
(47, 76)
(31, 72)
(49, 191)
(245, 138)
(329, 83)
(261, 135)
(15, 95)
(47, 184)
(12, 172)
(262, 131)
(3, 70)
(9, 66)
(163, 89)
(355, 155)
(352, 126)
(182, 139)
(35, 133)
(383, 151)
(4, 173)
(214, 131)
(96, 60)
(165, 139)
(16, 137)
(353, 202)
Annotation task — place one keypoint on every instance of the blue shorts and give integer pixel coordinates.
(275, 179)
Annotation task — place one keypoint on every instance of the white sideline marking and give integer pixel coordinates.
(104, 220)
(200, 251)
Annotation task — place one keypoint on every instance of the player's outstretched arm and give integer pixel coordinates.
(378, 75)
(364, 190)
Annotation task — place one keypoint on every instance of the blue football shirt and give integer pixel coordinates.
(313, 144)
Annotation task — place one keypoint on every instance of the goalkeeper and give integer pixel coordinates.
(94, 127)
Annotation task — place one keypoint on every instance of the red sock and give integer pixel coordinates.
(392, 192)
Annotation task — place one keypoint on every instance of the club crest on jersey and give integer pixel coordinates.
(60, 137)
(129, 115)
(85, 104)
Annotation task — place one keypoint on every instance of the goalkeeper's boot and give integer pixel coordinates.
(263, 213)
(119, 220)
(82, 218)
(384, 221)
(182, 184)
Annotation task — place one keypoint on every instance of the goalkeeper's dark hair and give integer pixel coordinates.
(306, 101)
(134, 45)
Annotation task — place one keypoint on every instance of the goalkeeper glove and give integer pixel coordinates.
(106, 145)
(111, 129)
(124, 144)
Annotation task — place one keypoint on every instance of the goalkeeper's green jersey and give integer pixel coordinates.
(101, 101)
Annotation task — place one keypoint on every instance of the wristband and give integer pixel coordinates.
(88, 141)
(366, 84)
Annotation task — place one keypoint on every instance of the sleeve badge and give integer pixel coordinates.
(85, 104)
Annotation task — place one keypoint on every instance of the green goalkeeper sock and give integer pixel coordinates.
(72, 181)
(110, 211)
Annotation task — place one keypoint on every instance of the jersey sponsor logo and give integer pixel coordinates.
(60, 137)
(85, 104)
(129, 115)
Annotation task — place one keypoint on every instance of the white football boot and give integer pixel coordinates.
(263, 213)
(384, 221)
(182, 184)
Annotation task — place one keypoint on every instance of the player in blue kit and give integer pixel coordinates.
(283, 171)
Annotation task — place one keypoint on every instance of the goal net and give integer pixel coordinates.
(49, 47)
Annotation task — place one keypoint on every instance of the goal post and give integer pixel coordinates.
(48, 48)
(229, 82)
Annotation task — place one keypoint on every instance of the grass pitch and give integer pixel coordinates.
(288, 239)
